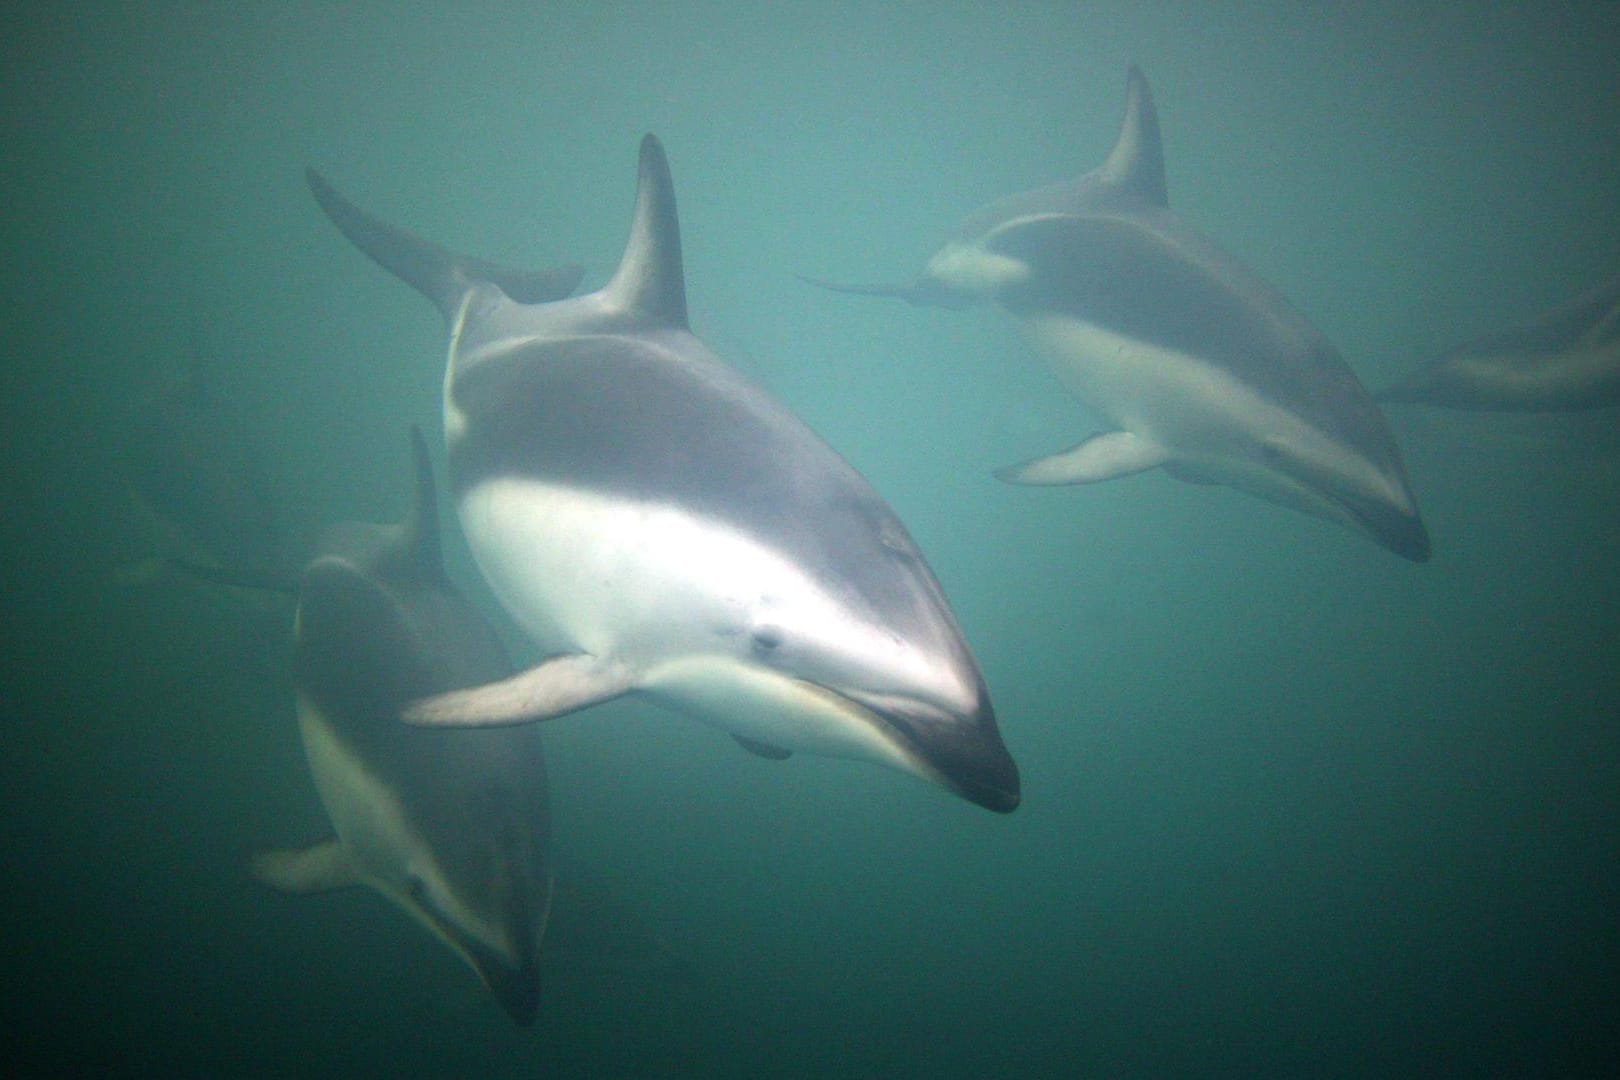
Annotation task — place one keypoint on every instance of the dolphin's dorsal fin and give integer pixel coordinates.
(436, 272)
(420, 531)
(1136, 164)
(650, 280)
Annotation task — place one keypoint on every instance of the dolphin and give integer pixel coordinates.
(194, 469)
(1196, 364)
(452, 826)
(1566, 360)
(661, 527)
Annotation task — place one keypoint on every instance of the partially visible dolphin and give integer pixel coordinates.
(1197, 364)
(662, 527)
(453, 826)
(194, 468)
(1564, 361)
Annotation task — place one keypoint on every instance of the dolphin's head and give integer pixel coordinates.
(903, 690)
(1329, 479)
(843, 646)
(868, 626)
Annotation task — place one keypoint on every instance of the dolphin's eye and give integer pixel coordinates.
(767, 639)
(1272, 453)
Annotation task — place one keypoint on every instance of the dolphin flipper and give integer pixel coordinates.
(318, 868)
(554, 688)
(1104, 456)
(436, 272)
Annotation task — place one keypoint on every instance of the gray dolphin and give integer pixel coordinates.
(453, 826)
(662, 527)
(195, 470)
(1564, 361)
(1199, 365)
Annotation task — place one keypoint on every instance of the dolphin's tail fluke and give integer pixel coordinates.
(436, 272)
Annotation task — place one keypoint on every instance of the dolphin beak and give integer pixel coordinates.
(1399, 529)
(963, 753)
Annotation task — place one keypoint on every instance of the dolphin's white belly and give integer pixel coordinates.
(1206, 418)
(674, 597)
(1182, 402)
(371, 821)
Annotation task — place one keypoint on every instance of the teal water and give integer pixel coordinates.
(1293, 807)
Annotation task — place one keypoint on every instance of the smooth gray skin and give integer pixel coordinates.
(1200, 366)
(453, 826)
(1565, 361)
(662, 527)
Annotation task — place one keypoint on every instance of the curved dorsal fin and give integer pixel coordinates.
(650, 280)
(1136, 164)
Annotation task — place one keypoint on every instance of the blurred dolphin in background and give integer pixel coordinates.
(1199, 367)
(1566, 360)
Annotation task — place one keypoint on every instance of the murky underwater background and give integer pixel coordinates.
(1292, 805)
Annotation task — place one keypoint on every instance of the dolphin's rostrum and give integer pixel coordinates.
(1199, 365)
(660, 526)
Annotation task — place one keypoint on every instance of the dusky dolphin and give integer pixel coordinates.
(660, 526)
(1566, 360)
(193, 466)
(453, 826)
(1198, 365)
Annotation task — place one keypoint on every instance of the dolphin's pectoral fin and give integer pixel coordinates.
(764, 750)
(317, 868)
(556, 687)
(1103, 456)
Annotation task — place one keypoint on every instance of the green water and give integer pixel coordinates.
(1293, 807)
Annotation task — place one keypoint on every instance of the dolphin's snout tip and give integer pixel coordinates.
(961, 752)
(1000, 799)
(983, 772)
(1409, 539)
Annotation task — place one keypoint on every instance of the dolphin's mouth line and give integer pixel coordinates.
(1001, 798)
(1401, 531)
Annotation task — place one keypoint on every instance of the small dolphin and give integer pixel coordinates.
(662, 527)
(1199, 365)
(1565, 361)
(453, 826)
(194, 468)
